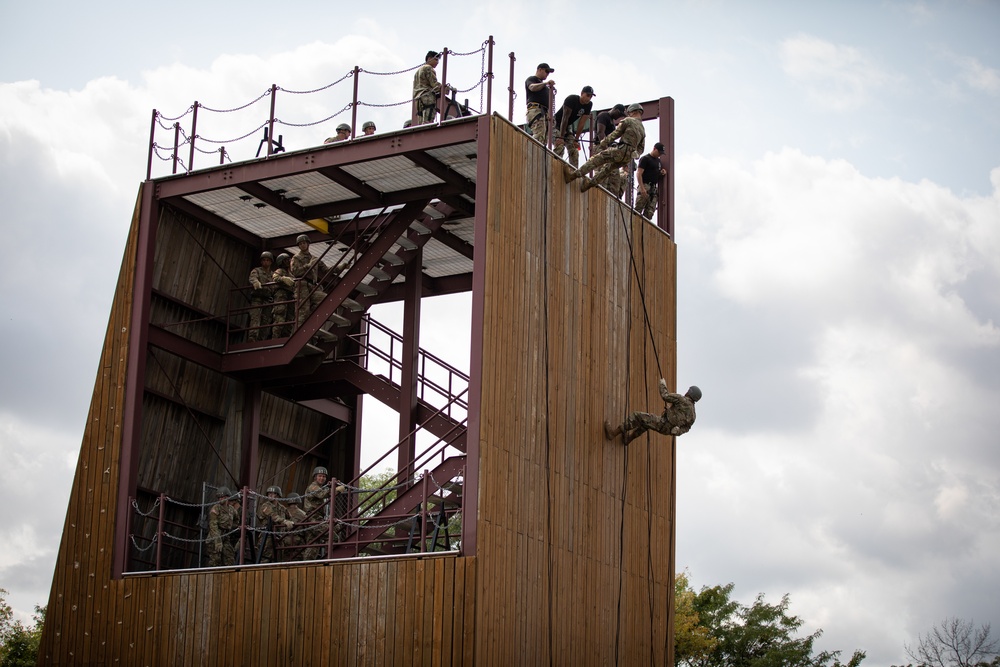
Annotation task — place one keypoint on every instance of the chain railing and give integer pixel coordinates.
(171, 152)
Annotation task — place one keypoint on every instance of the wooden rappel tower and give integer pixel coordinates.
(512, 532)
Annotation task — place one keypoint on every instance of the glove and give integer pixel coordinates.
(289, 524)
(256, 284)
(341, 488)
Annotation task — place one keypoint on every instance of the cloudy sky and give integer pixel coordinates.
(838, 222)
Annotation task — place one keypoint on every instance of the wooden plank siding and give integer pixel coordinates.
(574, 552)
(568, 346)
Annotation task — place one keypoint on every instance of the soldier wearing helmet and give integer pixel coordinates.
(295, 539)
(223, 520)
(272, 518)
(284, 298)
(343, 133)
(631, 138)
(368, 128)
(677, 418)
(314, 503)
(308, 271)
(260, 298)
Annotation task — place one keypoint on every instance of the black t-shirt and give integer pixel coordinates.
(650, 169)
(604, 120)
(577, 110)
(540, 96)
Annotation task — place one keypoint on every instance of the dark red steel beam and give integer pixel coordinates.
(456, 284)
(353, 183)
(332, 155)
(184, 348)
(425, 192)
(442, 171)
(460, 246)
(273, 199)
(135, 373)
(242, 361)
(218, 223)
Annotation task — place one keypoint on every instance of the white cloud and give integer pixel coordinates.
(838, 77)
(848, 446)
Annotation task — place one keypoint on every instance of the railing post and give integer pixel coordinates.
(159, 530)
(354, 104)
(243, 527)
(510, 90)
(152, 131)
(194, 130)
(423, 512)
(128, 533)
(489, 75)
(177, 135)
(443, 97)
(222, 154)
(550, 116)
(270, 121)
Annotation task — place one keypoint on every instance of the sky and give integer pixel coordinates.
(838, 229)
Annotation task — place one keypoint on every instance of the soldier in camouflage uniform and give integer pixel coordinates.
(271, 518)
(223, 519)
(343, 134)
(284, 295)
(307, 270)
(318, 494)
(632, 142)
(260, 298)
(677, 418)
(537, 98)
(295, 539)
(426, 89)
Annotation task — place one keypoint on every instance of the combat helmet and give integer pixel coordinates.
(294, 499)
(635, 106)
(694, 393)
(283, 259)
(300, 238)
(266, 255)
(368, 124)
(343, 127)
(223, 492)
(274, 489)
(320, 470)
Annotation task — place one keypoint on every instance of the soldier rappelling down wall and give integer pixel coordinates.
(677, 418)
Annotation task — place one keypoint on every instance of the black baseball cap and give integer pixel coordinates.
(658, 146)
(545, 66)
(432, 54)
(588, 89)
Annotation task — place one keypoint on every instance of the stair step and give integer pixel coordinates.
(406, 244)
(419, 228)
(391, 258)
(366, 289)
(352, 305)
(328, 336)
(309, 349)
(379, 274)
(340, 320)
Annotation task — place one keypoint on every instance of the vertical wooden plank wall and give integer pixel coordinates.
(346, 613)
(574, 552)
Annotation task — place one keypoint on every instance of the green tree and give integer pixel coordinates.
(755, 635)
(693, 641)
(18, 644)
